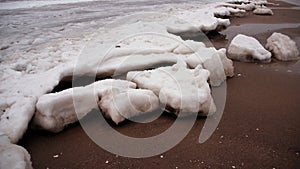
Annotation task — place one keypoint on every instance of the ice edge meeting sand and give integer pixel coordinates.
(53, 83)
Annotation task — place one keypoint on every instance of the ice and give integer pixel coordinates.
(119, 104)
(32, 77)
(38, 52)
(263, 10)
(19, 96)
(199, 20)
(247, 5)
(13, 156)
(39, 3)
(182, 89)
(56, 110)
(282, 47)
(146, 49)
(209, 58)
(245, 48)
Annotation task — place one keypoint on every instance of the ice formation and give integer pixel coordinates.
(40, 59)
(13, 156)
(56, 110)
(245, 48)
(282, 47)
(182, 89)
(199, 20)
(263, 10)
(119, 104)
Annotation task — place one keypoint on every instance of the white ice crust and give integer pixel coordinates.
(56, 110)
(180, 88)
(245, 48)
(263, 10)
(119, 104)
(282, 47)
(13, 156)
(27, 75)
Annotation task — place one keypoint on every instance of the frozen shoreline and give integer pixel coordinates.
(24, 70)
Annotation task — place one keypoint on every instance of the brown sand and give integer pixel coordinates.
(260, 127)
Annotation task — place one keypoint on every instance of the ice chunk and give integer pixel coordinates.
(227, 63)
(282, 47)
(13, 156)
(245, 48)
(56, 110)
(247, 6)
(182, 89)
(15, 119)
(189, 47)
(120, 104)
(197, 20)
(263, 10)
(211, 59)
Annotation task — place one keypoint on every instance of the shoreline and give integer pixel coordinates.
(260, 126)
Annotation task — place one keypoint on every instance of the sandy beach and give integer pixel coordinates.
(259, 129)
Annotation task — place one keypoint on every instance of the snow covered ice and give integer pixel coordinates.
(57, 110)
(245, 48)
(182, 89)
(282, 47)
(119, 104)
(37, 53)
(263, 10)
(13, 156)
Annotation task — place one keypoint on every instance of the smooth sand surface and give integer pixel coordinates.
(260, 127)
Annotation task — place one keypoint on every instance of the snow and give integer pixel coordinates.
(245, 48)
(13, 156)
(282, 47)
(182, 89)
(263, 10)
(56, 110)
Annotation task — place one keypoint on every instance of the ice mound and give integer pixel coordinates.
(56, 110)
(245, 48)
(242, 5)
(182, 89)
(13, 156)
(209, 58)
(282, 47)
(199, 20)
(26, 85)
(263, 10)
(146, 50)
(19, 94)
(119, 104)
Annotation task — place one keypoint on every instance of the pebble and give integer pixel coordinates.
(55, 156)
(233, 166)
(106, 162)
(161, 156)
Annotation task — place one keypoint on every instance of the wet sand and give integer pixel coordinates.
(260, 127)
